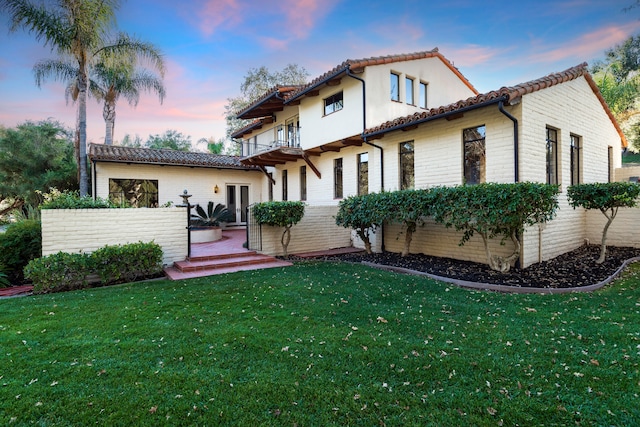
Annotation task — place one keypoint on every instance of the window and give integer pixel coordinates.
(552, 156)
(303, 183)
(576, 151)
(270, 187)
(407, 178)
(139, 193)
(422, 101)
(333, 103)
(293, 132)
(285, 185)
(610, 163)
(474, 155)
(395, 87)
(408, 82)
(363, 174)
(337, 178)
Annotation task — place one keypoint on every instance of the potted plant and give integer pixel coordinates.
(205, 224)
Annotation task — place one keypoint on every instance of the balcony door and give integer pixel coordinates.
(293, 131)
(237, 203)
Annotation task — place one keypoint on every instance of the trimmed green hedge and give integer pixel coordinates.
(19, 244)
(71, 200)
(106, 266)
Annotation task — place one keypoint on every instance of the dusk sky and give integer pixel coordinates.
(210, 45)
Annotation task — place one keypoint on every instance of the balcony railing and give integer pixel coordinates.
(279, 136)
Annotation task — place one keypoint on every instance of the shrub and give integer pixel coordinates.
(4, 278)
(362, 213)
(606, 197)
(109, 264)
(409, 208)
(71, 200)
(280, 214)
(19, 244)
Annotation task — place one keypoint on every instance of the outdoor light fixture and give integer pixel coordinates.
(215, 189)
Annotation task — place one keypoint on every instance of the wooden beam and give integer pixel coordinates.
(455, 116)
(412, 127)
(333, 82)
(313, 93)
(269, 177)
(329, 148)
(311, 165)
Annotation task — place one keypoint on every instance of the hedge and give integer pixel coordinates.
(106, 266)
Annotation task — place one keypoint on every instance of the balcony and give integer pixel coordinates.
(273, 146)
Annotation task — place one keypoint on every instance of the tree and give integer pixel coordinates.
(363, 214)
(280, 214)
(492, 210)
(213, 146)
(171, 139)
(79, 32)
(607, 197)
(409, 208)
(35, 157)
(130, 141)
(112, 78)
(255, 84)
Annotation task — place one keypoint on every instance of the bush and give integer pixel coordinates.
(19, 244)
(363, 214)
(71, 200)
(280, 214)
(110, 265)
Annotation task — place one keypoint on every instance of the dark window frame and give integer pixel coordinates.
(338, 184)
(552, 156)
(474, 142)
(303, 183)
(140, 193)
(394, 86)
(333, 103)
(422, 95)
(363, 174)
(576, 154)
(285, 185)
(409, 87)
(407, 165)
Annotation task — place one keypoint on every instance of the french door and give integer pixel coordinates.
(237, 203)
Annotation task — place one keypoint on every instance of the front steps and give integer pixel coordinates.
(209, 265)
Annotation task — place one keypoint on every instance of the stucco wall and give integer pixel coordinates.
(85, 230)
(173, 180)
(316, 231)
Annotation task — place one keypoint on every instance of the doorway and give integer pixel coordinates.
(237, 203)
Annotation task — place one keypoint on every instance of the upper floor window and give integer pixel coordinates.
(576, 154)
(333, 103)
(422, 101)
(337, 179)
(395, 87)
(139, 193)
(285, 185)
(474, 155)
(363, 174)
(270, 186)
(409, 90)
(303, 183)
(407, 176)
(552, 156)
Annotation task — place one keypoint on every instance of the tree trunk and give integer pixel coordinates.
(285, 239)
(407, 240)
(498, 263)
(603, 244)
(16, 204)
(109, 115)
(82, 130)
(365, 238)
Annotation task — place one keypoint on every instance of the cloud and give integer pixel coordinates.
(219, 13)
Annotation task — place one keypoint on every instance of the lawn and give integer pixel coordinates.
(320, 344)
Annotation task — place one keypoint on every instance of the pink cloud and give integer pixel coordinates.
(471, 55)
(217, 13)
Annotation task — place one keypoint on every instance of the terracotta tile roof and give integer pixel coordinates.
(256, 124)
(272, 100)
(357, 65)
(119, 154)
(506, 94)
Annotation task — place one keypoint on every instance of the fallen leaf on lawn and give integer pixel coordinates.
(153, 409)
(381, 319)
(595, 362)
(532, 310)
(491, 410)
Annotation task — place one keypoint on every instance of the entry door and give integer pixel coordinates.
(237, 203)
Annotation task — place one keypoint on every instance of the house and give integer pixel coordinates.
(150, 178)
(414, 121)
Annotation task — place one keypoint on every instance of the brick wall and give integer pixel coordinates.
(316, 231)
(85, 230)
(624, 230)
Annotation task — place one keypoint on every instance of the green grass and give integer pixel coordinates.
(319, 345)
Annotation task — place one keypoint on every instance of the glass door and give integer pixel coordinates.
(237, 203)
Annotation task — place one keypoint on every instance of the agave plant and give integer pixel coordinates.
(213, 216)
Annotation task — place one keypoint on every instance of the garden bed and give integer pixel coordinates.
(572, 269)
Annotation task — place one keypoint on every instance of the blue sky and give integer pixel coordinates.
(210, 45)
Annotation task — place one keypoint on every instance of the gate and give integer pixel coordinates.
(254, 231)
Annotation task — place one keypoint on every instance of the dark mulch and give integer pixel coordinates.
(573, 269)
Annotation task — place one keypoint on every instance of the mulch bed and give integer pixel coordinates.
(572, 269)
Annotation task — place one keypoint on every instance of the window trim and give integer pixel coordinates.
(402, 155)
(422, 84)
(334, 102)
(483, 162)
(409, 88)
(361, 177)
(551, 149)
(394, 95)
(576, 158)
(338, 182)
(303, 183)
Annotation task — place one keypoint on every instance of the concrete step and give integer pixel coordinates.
(213, 263)
(174, 274)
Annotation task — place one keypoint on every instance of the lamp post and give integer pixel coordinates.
(185, 203)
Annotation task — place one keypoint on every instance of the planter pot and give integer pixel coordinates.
(205, 234)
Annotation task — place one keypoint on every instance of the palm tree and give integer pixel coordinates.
(112, 79)
(77, 30)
